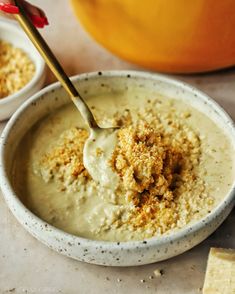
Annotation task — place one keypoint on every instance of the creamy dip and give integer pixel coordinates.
(82, 207)
(105, 139)
(98, 166)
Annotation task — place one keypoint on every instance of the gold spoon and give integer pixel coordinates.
(100, 138)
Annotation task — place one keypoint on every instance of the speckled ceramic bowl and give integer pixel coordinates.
(110, 253)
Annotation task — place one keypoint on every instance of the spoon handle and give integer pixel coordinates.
(54, 65)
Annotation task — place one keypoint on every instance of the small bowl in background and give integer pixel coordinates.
(11, 33)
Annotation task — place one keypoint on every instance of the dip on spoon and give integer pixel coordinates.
(102, 141)
(97, 153)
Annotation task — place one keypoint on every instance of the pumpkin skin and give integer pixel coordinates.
(177, 36)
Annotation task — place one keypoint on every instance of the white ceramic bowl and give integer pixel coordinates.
(110, 253)
(11, 33)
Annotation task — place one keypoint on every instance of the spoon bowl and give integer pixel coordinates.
(97, 154)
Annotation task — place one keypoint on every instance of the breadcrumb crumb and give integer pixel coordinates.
(158, 272)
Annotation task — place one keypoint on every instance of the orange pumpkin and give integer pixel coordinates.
(179, 36)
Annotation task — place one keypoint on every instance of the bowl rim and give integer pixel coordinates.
(193, 228)
(38, 61)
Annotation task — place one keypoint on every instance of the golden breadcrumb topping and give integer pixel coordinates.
(151, 165)
(64, 161)
(16, 69)
(141, 160)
